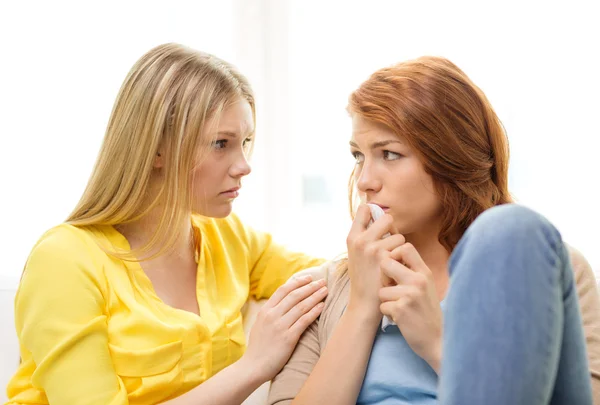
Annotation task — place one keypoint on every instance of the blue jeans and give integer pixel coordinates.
(512, 327)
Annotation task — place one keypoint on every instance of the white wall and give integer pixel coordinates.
(62, 63)
(537, 62)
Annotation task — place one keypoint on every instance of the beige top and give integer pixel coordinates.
(290, 380)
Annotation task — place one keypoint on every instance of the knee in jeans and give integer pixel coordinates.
(514, 222)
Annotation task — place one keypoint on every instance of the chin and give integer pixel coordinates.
(222, 214)
(221, 211)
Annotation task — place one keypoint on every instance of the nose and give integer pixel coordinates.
(367, 179)
(240, 167)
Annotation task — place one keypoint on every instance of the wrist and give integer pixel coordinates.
(248, 371)
(363, 314)
(435, 356)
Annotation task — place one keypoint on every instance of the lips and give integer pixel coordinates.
(383, 207)
(231, 190)
(231, 194)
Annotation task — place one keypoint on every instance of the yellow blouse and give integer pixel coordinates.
(93, 331)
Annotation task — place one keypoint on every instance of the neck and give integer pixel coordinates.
(436, 257)
(433, 253)
(140, 232)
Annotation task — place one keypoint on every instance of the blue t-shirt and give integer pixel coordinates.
(396, 374)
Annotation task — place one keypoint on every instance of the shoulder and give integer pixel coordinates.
(338, 284)
(61, 276)
(63, 254)
(64, 241)
(584, 275)
(330, 271)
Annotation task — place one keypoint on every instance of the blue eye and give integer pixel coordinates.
(389, 155)
(220, 144)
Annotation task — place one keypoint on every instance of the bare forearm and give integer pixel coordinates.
(231, 386)
(339, 374)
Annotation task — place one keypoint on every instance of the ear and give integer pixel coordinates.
(159, 159)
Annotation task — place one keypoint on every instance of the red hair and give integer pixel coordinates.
(447, 120)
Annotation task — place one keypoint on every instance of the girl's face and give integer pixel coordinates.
(217, 180)
(388, 173)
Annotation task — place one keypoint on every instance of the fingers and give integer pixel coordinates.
(381, 249)
(305, 320)
(297, 296)
(303, 307)
(397, 292)
(377, 230)
(388, 308)
(283, 291)
(408, 255)
(396, 271)
(380, 228)
(359, 235)
(396, 299)
(361, 219)
(384, 247)
(392, 242)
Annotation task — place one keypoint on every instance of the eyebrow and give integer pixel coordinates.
(228, 133)
(231, 134)
(376, 145)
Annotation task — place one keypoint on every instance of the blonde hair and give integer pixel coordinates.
(165, 101)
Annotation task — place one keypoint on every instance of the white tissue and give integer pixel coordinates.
(376, 213)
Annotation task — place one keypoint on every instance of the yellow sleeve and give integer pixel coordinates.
(271, 265)
(61, 320)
